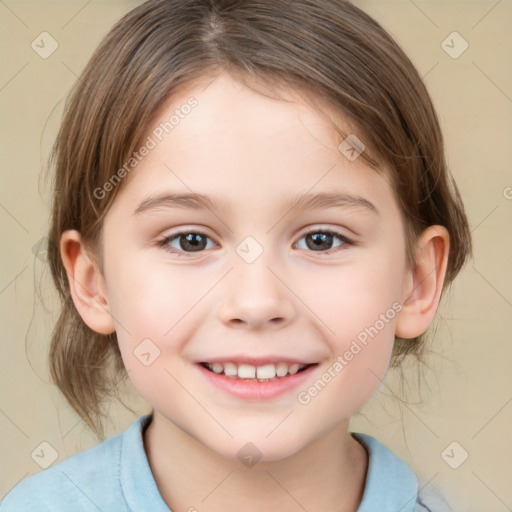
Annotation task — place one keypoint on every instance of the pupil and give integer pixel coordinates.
(192, 241)
(319, 239)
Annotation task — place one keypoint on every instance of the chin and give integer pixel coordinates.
(255, 446)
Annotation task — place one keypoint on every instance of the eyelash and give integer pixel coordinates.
(180, 253)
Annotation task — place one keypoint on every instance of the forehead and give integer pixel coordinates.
(246, 145)
(247, 117)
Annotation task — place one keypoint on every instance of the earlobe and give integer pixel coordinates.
(87, 284)
(423, 284)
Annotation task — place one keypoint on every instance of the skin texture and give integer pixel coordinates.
(254, 153)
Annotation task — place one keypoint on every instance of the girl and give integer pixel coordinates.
(252, 220)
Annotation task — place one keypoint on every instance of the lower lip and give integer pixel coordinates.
(253, 390)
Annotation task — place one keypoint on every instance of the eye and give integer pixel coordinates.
(185, 242)
(321, 240)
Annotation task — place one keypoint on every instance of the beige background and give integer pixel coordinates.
(466, 396)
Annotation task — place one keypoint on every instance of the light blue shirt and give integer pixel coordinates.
(115, 476)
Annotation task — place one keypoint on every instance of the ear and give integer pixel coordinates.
(424, 283)
(86, 283)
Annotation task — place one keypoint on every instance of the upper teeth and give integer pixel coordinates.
(248, 371)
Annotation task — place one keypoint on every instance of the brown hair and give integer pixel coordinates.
(328, 48)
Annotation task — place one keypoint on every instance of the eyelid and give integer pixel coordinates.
(186, 230)
(335, 232)
(163, 242)
(325, 229)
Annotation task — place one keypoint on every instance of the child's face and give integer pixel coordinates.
(256, 286)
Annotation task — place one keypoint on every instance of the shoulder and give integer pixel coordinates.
(73, 484)
(430, 499)
(391, 485)
(84, 482)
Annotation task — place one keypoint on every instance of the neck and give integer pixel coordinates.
(328, 475)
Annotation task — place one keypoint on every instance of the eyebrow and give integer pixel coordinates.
(196, 201)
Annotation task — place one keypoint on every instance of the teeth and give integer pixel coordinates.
(294, 368)
(281, 369)
(230, 369)
(217, 368)
(266, 372)
(248, 371)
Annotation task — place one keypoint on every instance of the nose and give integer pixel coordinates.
(255, 296)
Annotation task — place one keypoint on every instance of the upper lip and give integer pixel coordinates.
(257, 361)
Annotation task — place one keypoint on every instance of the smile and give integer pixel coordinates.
(256, 382)
(266, 372)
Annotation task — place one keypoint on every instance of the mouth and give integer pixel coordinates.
(268, 372)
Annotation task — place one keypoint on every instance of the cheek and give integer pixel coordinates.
(361, 351)
(150, 301)
(155, 308)
(354, 297)
(360, 310)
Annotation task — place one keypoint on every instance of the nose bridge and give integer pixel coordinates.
(253, 294)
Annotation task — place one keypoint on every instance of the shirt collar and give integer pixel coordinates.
(390, 484)
(137, 480)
